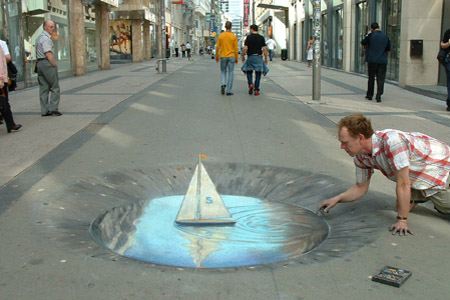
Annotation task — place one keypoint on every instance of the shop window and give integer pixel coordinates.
(324, 34)
(362, 28)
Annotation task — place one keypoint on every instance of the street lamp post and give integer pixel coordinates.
(317, 38)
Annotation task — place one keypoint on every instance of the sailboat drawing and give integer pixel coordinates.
(202, 204)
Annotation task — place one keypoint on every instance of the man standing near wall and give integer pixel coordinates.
(47, 70)
(227, 52)
(377, 46)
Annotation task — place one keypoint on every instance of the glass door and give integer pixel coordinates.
(324, 43)
(392, 30)
(362, 28)
(338, 38)
(295, 41)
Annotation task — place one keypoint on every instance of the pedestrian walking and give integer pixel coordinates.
(418, 163)
(310, 51)
(271, 45)
(377, 46)
(227, 52)
(255, 48)
(445, 44)
(5, 108)
(188, 50)
(176, 49)
(47, 70)
(183, 50)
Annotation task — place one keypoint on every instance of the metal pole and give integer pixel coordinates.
(253, 12)
(163, 37)
(317, 38)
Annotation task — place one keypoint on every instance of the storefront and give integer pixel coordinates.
(90, 37)
(12, 32)
(387, 13)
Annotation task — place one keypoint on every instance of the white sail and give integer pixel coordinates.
(202, 203)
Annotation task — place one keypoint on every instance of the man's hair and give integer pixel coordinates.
(254, 27)
(228, 25)
(374, 25)
(44, 24)
(356, 124)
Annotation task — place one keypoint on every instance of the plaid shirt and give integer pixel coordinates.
(427, 158)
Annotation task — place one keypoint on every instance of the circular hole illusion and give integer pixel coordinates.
(265, 232)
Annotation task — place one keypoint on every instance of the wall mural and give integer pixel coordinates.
(120, 40)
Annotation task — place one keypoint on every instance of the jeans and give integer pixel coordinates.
(227, 72)
(257, 79)
(378, 71)
(270, 55)
(447, 72)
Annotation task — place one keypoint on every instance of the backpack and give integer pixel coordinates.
(12, 75)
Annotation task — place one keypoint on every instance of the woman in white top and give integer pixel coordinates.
(309, 51)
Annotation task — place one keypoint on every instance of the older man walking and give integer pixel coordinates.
(47, 70)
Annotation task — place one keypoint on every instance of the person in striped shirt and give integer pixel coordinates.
(418, 163)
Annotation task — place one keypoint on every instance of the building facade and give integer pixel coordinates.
(344, 23)
(92, 34)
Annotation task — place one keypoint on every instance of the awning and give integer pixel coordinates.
(138, 14)
(114, 3)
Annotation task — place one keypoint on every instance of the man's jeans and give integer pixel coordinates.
(270, 54)
(257, 79)
(227, 72)
(447, 71)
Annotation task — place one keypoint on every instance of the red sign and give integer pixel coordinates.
(246, 12)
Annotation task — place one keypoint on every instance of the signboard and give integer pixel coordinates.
(246, 12)
(114, 3)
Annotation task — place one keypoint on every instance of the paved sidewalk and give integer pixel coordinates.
(119, 126)
(83, 99)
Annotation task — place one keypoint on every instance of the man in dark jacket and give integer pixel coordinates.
(377, 46)
(445, 44)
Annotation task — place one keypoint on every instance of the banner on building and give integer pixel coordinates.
(246, 12)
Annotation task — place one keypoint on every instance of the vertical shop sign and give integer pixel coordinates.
(246, 12)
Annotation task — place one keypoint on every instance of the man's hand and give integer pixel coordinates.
(328, 204)
(237, 60)
(401, 227)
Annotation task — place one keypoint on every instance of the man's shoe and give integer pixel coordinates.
(369, 97)
(230, 94)
(16, 127)
(47, 114)
(378, 99)
(257, 93)
(222, 89)
(250, 89)
(448, 108)
(56, 113)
